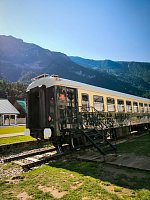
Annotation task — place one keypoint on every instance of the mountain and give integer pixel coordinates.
(137, 74)
(21, 61)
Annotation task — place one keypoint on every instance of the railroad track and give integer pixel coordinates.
(7, 148)
(30, 162)
(27, 154)
(34, 158)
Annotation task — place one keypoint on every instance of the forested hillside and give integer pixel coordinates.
(137, 74)
(12, 91)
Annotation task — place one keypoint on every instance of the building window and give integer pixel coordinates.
(128, 106)
(98, 103)
(120, 104)
(110, 104)
(135, 107)
(85, 102)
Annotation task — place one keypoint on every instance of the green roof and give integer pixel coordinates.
(22, 104)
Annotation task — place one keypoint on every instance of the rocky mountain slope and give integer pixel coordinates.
(20, 61)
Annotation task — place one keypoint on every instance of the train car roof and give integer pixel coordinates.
(49, 81)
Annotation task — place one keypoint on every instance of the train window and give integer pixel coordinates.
(146, 108)
(128, 106)
(110, 104)
(141, 108)
(149, 108)
(85, 102)
(61, 93)
(135, 107)
(98, 103)
(50, 93)
(120, 104)
(70, 95)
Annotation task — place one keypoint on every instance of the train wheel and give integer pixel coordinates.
(58, 145)
(75, 143)
(72, 145)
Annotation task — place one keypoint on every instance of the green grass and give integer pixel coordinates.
(15, 139)
(139, 146)
(117, 189)
(12, 129)
(76, 180)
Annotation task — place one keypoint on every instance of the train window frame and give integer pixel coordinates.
(146, 107)
(135, 107)
(51, 99)
(111, 104)
(120, 105)
(61, 97)
(129, 107)
(141, 107)
(70, 94)
(85, 107)
(101, 103)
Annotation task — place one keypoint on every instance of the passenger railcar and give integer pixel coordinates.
(57, 107)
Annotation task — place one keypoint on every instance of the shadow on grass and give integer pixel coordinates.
(139, 145)
(127, 178)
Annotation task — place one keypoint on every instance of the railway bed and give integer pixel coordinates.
(8, 148)
(28, 162)
(27, 154)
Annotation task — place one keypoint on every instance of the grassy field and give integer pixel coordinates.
(14, 139)
(139, 145)
(12, 129)
(74, 180)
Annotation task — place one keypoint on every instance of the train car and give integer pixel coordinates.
(57, 108)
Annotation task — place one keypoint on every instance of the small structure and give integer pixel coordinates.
(20, 105)
(8, 113)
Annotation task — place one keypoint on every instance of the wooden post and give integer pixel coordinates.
(15, 119)
(3, 119)
(9, 119)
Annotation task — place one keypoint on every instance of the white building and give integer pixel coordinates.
(8, 113)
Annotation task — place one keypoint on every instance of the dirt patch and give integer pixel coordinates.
(76, 185)
(85, 198)
(23, 196)
(54, 192)
(119, 191)
(14, 180)
(71, 175)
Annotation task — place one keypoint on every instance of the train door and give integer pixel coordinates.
(36, 109)
(71, 108)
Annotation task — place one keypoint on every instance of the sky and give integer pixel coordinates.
(94, 29)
